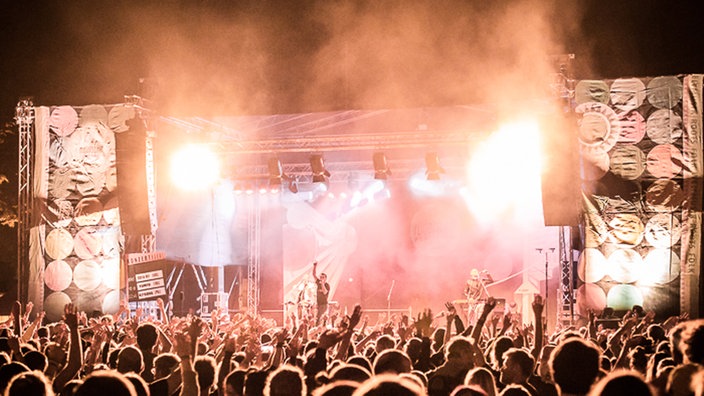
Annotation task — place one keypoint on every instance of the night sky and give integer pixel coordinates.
(270, 57)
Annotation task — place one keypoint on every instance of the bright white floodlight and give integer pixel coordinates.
(194, 167)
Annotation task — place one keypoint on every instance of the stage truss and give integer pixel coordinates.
(24, 117)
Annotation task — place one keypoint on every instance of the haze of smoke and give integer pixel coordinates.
(342, 55)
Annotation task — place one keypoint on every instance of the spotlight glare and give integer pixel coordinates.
(512, 154)
(356, 199)
(194, 167)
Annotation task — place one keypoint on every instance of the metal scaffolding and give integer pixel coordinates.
(24, 118)
(565, 291)
(149, 241)
(563, 90)
(254, 262)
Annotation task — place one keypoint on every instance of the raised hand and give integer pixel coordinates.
(355, 317)
(507, 321)
(649, 317)
(538, 305)
(281, 335)
(451, 312)
(591, 315)
(71, 316)
(329, 338)
(388, 328)
(490, 304)
(230, 343)
(83, 318)
(381, 318)
(404, 320)
(423, 323)
(182, 344)
(495, 320)
(28, 310)
(17, 317)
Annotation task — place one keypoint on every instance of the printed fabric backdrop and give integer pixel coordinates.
(641, 157)
(75, 240)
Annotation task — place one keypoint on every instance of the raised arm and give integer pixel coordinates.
(347, 336)
(185, 345)
(75, 350)
(538, 318)
(450, 315)
(488, 307)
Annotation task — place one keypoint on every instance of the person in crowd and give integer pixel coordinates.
(205, 370)
(574, 366)
(452, 373)
(32, 383)
(322, 293)
(622, 382)
(147, 335)
(286, 380)
(129, 360)
(106, 383)
(483, 378)
(517, 368)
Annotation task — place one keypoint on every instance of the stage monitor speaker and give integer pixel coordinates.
(187, 293)
(560, 177)
(131, 164)
(232, 276)
(233, 282)
(500, 306)
(212, 279)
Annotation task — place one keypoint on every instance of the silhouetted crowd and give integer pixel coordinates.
(132, 354)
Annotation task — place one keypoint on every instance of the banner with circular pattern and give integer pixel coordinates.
(640, 157)
(82, 242)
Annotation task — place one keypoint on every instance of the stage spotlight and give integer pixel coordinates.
(293, 184)
(276, 172)
(194, 167)
(381, 167)
(320, 174)
(433, 168)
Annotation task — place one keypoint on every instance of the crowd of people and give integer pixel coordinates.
(130, 353)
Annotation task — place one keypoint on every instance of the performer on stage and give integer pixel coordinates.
(475, 291)
(323, 289)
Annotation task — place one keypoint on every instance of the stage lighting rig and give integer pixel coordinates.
(433, 168)
(381, 166)
(320, 174)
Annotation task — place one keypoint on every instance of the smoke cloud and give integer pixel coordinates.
(216, 58)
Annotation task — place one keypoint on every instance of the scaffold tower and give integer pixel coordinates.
(24, 118)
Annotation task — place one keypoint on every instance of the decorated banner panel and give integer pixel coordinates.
(75, 244)
(641, 156)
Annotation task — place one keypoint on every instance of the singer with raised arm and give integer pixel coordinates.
(322, 291)
(476, 293)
